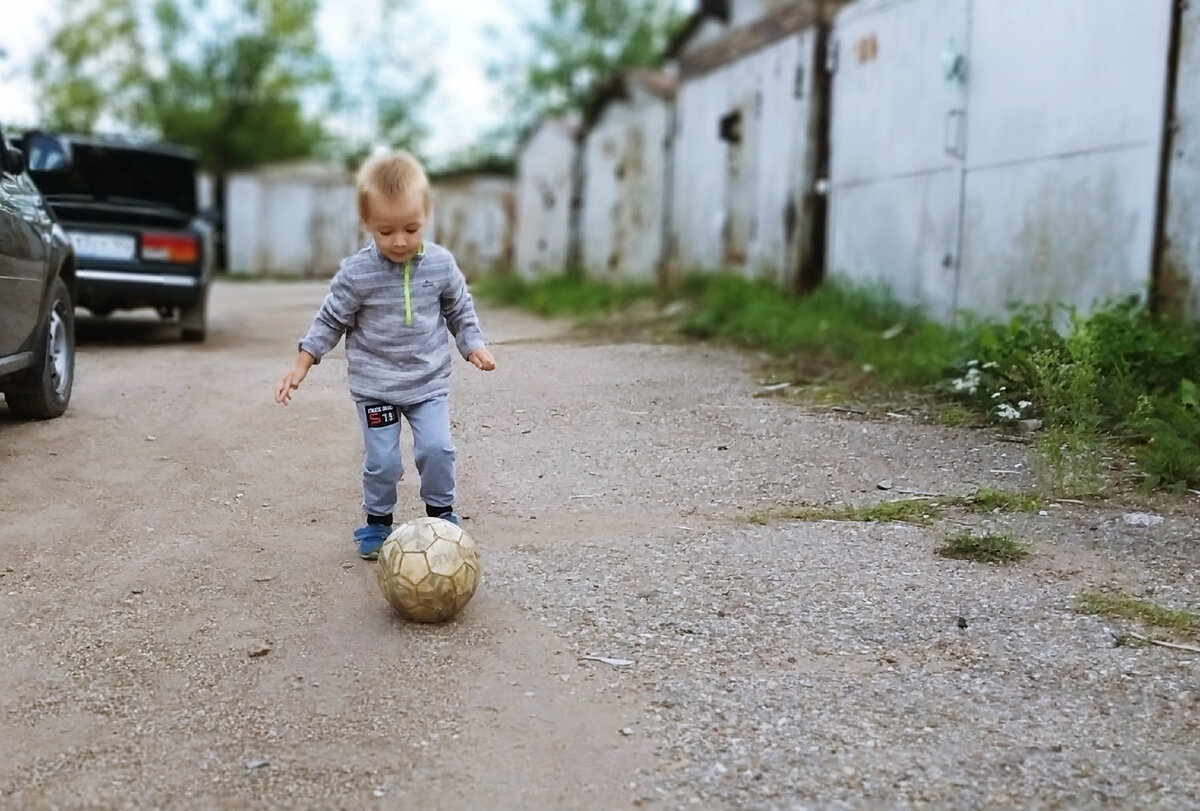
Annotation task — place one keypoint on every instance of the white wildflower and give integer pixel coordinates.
(968, 382)
(1006, 412)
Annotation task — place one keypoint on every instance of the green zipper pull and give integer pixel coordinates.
(408, 293)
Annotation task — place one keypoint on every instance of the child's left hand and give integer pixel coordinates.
(482, 359)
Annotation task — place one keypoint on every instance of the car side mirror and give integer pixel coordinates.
(46, 152)
(14, 160)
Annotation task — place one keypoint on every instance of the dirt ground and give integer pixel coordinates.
(186, 624)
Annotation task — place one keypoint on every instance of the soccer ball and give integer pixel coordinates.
(428, 569)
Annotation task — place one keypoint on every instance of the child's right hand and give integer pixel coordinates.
(291, 381)
(295, 376)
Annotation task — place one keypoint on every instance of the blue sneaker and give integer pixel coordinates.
(449, 515)
(370, 538)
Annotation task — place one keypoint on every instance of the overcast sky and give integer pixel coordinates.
(450, 33)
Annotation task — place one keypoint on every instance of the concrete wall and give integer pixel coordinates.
(473, 217)
(622, 228)
(291, 220)
(743, 164)
(545, 186)
(1179, 274)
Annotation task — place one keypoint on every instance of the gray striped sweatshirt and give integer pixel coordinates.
(393, 358)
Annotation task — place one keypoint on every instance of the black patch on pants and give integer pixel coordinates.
(381, 415)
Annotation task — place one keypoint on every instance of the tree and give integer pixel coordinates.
(89, 66)
(234, 79)
(232, 83)
(383, 87)
(580, 43)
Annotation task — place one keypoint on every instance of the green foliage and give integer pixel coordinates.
(229, 78)
(473, 160)
(559, 295)
(386, 89)
(991, 547)
(578, 44)
(1118, 372)
(1169, 428)
(232, 79)
(226, 78)
(89, 65)
(864, 326)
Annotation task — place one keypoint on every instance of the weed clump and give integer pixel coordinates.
(1150, 613)
(986, 548)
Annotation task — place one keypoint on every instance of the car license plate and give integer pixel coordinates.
(103, 246)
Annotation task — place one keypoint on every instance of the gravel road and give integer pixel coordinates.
(186, 624)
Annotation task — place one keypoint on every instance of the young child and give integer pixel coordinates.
(394, 301)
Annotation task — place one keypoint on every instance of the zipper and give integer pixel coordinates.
(408, 293)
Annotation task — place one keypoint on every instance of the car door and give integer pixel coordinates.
(23, 254)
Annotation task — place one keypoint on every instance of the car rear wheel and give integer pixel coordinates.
(43, 391)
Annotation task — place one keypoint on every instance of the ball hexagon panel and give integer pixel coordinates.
(413, 537)
(437, 590)
(444, 557)
(413, 567)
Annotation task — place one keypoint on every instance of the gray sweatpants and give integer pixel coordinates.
(433, 452)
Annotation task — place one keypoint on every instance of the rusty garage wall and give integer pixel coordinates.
(987, 153)
(291, 220)
(749, 124)
(546, 169)
(473, 218)
(1063, 151)
(625, 153)
(1179, 271)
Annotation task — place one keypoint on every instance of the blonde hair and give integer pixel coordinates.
(391, 175)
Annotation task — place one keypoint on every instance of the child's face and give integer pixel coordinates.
(397, 225)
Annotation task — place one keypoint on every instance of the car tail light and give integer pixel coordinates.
(170, 248)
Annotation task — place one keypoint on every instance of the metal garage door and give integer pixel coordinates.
(1025, 170)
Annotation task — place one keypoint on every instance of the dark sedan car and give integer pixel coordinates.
(37, 314)
(130, 210)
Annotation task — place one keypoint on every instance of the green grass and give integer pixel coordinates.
(568, 295)
(914, 510)
(866, 328)
(989, 500)
(953, 415)
(991, 547)
(921, 510)
(1144, 611)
